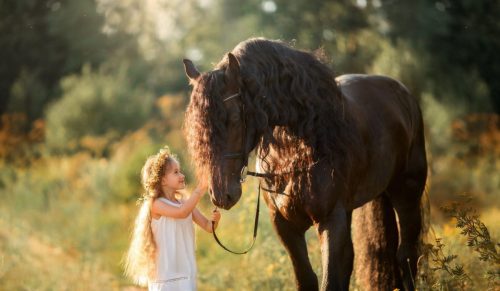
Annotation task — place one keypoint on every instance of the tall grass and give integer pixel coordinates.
(59, 228)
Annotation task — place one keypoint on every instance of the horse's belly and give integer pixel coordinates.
(374, 183)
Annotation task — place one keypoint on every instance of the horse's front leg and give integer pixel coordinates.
(294, 241)
(336, 248)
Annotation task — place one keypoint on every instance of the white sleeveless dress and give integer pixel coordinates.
(175, 259)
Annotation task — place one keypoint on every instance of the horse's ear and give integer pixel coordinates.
(233, 69)
(190, 69)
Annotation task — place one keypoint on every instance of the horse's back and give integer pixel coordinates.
(380, 100)
(351, 83)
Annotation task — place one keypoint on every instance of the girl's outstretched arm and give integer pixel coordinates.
(184, 210)
(204, 222)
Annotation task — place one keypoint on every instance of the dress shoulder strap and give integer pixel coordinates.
(170, 202)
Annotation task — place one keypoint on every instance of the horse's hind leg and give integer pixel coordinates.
(405, 193)
(375, 236)
(295, 243)
(408, 211)
(336, 248)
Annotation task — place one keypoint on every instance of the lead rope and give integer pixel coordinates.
(256, 222)
(255, 227)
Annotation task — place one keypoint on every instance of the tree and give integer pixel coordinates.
(43, 41)
(460, 37)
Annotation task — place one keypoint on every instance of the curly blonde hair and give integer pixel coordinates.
(140, 260)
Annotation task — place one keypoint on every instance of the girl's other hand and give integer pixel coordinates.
(215, 215)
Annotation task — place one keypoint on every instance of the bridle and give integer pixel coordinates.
(243, 174)
(242, 154)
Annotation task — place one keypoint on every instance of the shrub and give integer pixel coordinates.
(96, 104)
(445, 272)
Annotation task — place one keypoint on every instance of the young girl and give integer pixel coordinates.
(162, 247)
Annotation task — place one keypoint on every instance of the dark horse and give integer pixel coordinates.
(329, 145)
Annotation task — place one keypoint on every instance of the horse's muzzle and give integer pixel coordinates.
(226, 201)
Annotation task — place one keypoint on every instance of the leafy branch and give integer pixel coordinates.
(478, 237)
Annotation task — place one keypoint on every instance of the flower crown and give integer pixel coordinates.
(155, 173)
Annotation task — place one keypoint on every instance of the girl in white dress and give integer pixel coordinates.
(162, 251)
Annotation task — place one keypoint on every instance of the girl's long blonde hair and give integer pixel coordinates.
(140, 260)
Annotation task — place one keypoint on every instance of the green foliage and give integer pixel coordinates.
(40, 43)
(461, 39)
(444, 273)
(96, 104)
(28, 95)
(399, 61)
(462, 150)
(454, 276)
(126, 164)
(478, 237)
(294, 20)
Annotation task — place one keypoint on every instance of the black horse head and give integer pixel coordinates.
(219, 137)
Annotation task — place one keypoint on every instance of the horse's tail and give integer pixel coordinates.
(375, 239)
(427, 235)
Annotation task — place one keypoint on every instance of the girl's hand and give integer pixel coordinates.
(215, 215)
(200, 190)
(202, 186)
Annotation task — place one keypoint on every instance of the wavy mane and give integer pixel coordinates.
(292, 100)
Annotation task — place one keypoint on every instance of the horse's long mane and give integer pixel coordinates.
(291, 99)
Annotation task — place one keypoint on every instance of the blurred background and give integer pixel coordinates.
(89, 89)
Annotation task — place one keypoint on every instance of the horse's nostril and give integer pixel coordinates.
(229, 198)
